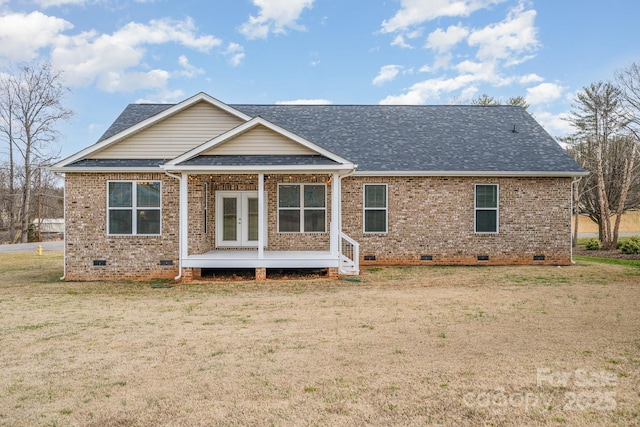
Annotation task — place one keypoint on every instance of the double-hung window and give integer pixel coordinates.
(375, 208)
(133, 207)
(302, 208)
(486, 208)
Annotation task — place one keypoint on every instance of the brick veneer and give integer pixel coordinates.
(127, 257)
(435, 216)
(199, 242)
(427, 216)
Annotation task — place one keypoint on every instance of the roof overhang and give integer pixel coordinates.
(193, 169)
(538, 174)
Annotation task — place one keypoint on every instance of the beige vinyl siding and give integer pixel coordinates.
(259, 140)
(174, 135)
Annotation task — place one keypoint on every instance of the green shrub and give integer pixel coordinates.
(630, 245)
(593, 245)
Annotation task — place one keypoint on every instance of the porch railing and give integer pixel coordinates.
(349, 255)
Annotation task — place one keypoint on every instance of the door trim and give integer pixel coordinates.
(242, 219)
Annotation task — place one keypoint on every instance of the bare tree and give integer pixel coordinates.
(31, 110)
(604, 147)
(519, 101)
(485, 99)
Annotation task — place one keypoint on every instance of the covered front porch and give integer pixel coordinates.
(261, 197)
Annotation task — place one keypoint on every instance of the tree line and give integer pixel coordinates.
(606, 118)
(31, 108)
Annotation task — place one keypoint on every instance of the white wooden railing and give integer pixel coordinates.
(349, 255)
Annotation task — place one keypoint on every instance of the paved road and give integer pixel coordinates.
(32, 247)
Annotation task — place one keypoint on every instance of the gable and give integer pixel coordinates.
(259, 140)
(173, 135)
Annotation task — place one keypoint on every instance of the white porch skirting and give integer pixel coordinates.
(271, 259)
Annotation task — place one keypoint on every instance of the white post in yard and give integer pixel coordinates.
(261, 216)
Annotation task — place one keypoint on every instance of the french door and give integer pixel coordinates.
(237, 219)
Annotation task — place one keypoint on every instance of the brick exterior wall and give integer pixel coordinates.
(200, 243)
(127, 257)
(426, 216)
(435, 216)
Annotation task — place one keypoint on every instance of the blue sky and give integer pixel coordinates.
(114, 52)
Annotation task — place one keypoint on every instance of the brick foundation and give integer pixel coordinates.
(261, 274)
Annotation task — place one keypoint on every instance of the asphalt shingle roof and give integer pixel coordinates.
(446, 138)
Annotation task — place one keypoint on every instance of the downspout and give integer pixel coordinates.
(571, 221)
(179, 276)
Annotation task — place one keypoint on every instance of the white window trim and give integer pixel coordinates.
(134, 207)
(386, 209)
(476, 208)
(302, 208)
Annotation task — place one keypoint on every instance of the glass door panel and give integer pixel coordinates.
(252, 218)
(230, 219)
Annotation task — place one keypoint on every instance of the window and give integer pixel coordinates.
(486, 208)
(375, 208)
(302, 208)
(133, 207)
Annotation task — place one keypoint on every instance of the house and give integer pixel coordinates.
(49, 225)
(175, 190)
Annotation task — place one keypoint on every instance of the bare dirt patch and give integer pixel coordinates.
(405, 346)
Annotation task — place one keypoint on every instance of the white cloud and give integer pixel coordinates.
(507, 39)
(555, 124)
(162, 96)
(305, 102)
(415, 12)
(387, 73)
(114, 81)
(427, 90)
(530, 78)
(399, 41)
(23, 35)
(275, 16)
(497, 47)
(188, 70)
(110, 58)
(544, 92)
(442, 41)
(236, 54)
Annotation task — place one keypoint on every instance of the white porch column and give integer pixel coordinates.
(336, 212)
(184, 216)
(261, 227)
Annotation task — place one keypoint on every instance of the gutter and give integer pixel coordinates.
(179, 276)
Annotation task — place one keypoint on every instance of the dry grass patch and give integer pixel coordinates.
(405, 346)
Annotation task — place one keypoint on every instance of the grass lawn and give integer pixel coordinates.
(499, 346)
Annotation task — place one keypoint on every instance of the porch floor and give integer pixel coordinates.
(271, 259)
